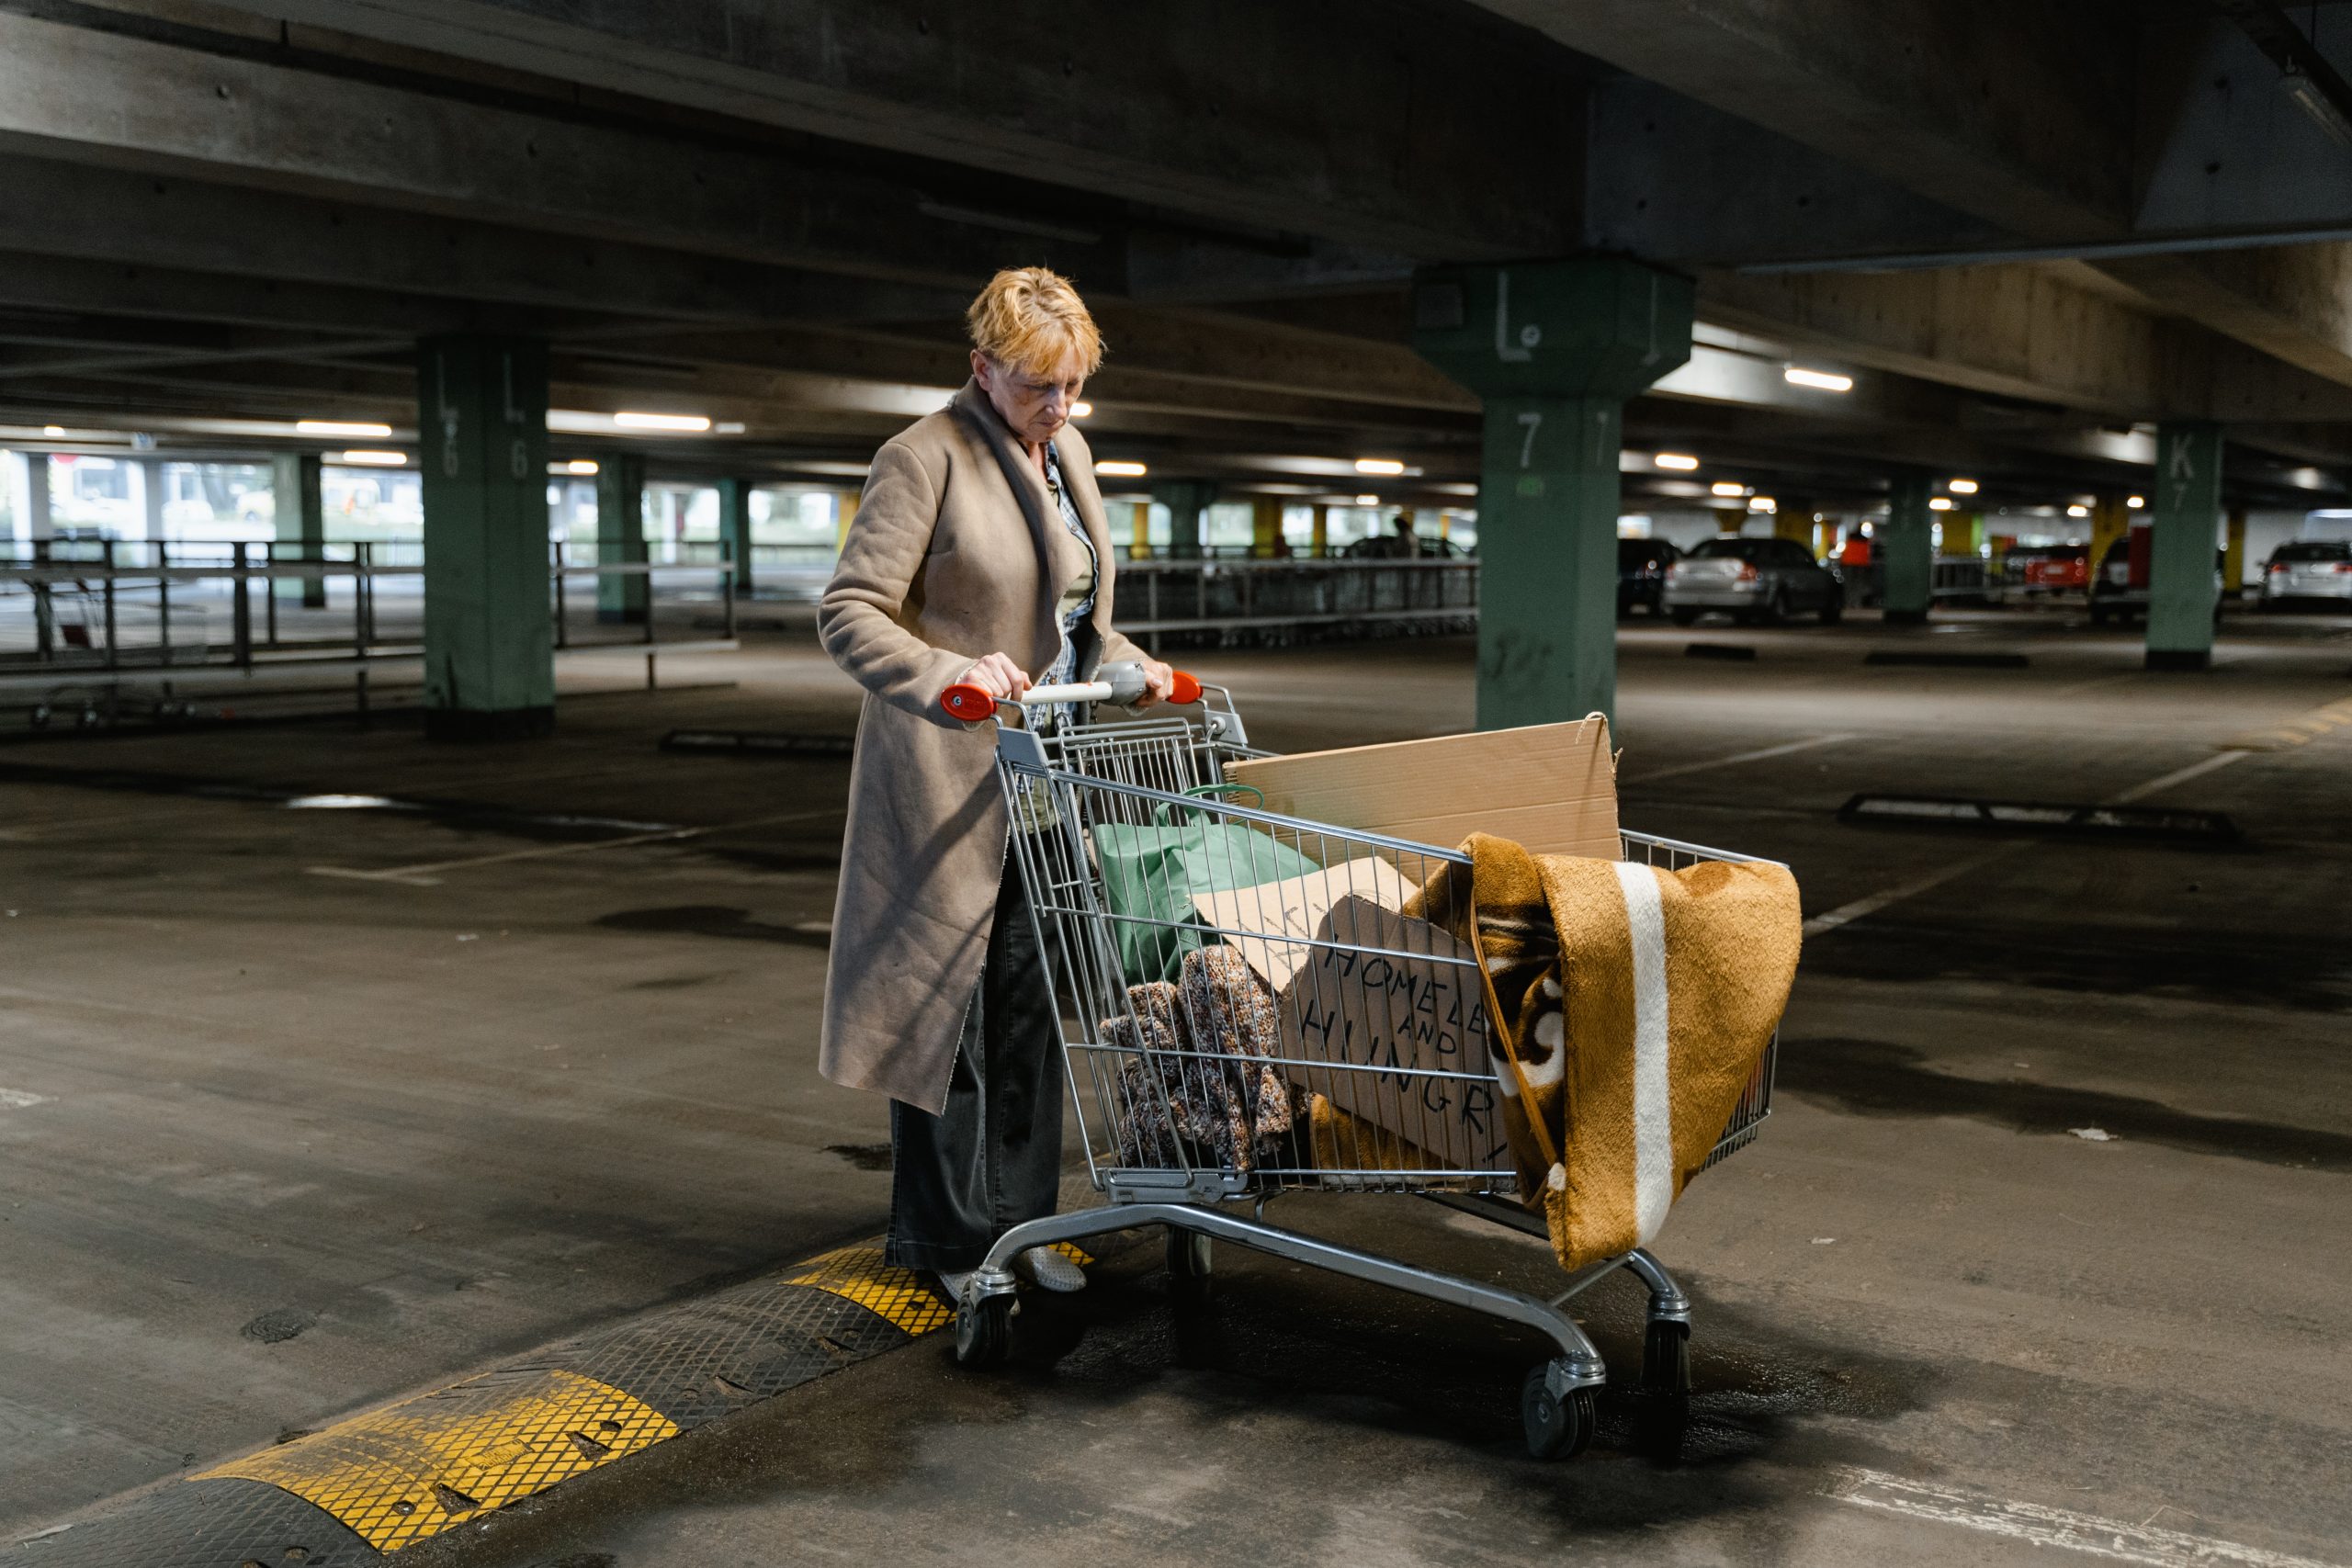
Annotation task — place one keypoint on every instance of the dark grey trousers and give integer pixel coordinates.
(994, 1158)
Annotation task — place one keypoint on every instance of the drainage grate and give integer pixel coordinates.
(1955, 660)
(756, 743)
(2128, 821)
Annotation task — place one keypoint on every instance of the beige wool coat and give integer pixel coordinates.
(957, 551)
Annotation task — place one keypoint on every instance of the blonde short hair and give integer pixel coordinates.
(1030, 318)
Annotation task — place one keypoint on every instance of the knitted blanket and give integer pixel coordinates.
(1632, 1007)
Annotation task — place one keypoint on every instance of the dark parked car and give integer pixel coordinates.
(1641, 574)
(1753, 580)
(2119, 591)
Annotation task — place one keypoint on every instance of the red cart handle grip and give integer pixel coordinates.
(971, 703)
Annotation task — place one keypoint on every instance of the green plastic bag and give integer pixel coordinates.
(1151, 873)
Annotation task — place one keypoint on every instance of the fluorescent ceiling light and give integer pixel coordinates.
(1962, 487)
(1762, 503)
(1681, 462)
(1388, 466)
(340, 428)
(1819, 381)
(1367, 501)
(52, 430)
(692, 422)
(1940, 504)
(2135, 501)
(1728, 487)
(582, 466)
(1122, 470)
(2078, 512)
(372, 460)
(2312, 99)
(1081, 409)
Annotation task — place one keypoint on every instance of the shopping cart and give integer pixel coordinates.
(1201, 1093)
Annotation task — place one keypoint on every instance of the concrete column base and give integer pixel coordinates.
(2179, 658)
(623, 617)
(474, 724)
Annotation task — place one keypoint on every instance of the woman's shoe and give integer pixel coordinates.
(1050, 1270)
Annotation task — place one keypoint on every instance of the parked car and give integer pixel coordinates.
(1641, 574)
(1752, 579)
(2116, 592)
(2048, 570)
(2310, 570)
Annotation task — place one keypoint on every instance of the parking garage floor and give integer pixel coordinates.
(337, 1066)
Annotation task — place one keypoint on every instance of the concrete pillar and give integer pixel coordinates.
(29, 495)
(488, 647)
(845, 513)
(1321, 539)
(1265, 527)
(1790, 523)
(1139, 542)
(1185, 502)
(152, 488)
(2233, 555)
(735, 528)
(1907, 552)
(2187, 516)
(1553, 349)
(620, 539)
(2111, 522)
(1963, 531)
(300, 512)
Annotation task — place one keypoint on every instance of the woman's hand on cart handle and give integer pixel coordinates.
(1160, 685)
(990, 681)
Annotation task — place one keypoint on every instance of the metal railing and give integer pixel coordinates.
(126, 605)
(1224, 596)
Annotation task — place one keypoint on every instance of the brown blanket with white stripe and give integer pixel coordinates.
(1634, 1005)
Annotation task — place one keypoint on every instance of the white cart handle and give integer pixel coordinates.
(1120, 683)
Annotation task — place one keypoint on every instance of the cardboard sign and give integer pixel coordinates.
(1387, 998)
(1551, 787)
(1290, 912)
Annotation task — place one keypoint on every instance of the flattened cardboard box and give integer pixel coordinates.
(1549, 787)
(1398, 1009)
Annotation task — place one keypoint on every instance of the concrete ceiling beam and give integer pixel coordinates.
(2021, 115)
(1429, 132)
(124, 102)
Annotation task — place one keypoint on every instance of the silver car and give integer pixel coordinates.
(1753, 580)
(2308, 569)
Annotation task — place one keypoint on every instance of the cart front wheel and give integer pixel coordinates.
(1189, 1261)
(1557, 1428)
(1666, 1358)
(984, 1332)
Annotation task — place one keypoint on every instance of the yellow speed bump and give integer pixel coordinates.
(398, 1475)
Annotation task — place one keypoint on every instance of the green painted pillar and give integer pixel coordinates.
(482, 425)
(1185, 502)
(1554, 349)
(301, 514)
(735, 527)
(2181, 541)
(1907, 552)
(620, 539)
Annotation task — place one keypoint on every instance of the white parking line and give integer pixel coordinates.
(2179, 775)
(17, 1098)
(1847, 914)
(421, 875)
(1735, 758)
(2041, 1526)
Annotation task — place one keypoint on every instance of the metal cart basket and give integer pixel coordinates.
(1197, 1094)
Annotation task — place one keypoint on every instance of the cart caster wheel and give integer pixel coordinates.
(1557, 1428)
(1189, 1259)
(1666, 1358)
(984, 1332)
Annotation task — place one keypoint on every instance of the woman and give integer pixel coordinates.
(979, 554)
